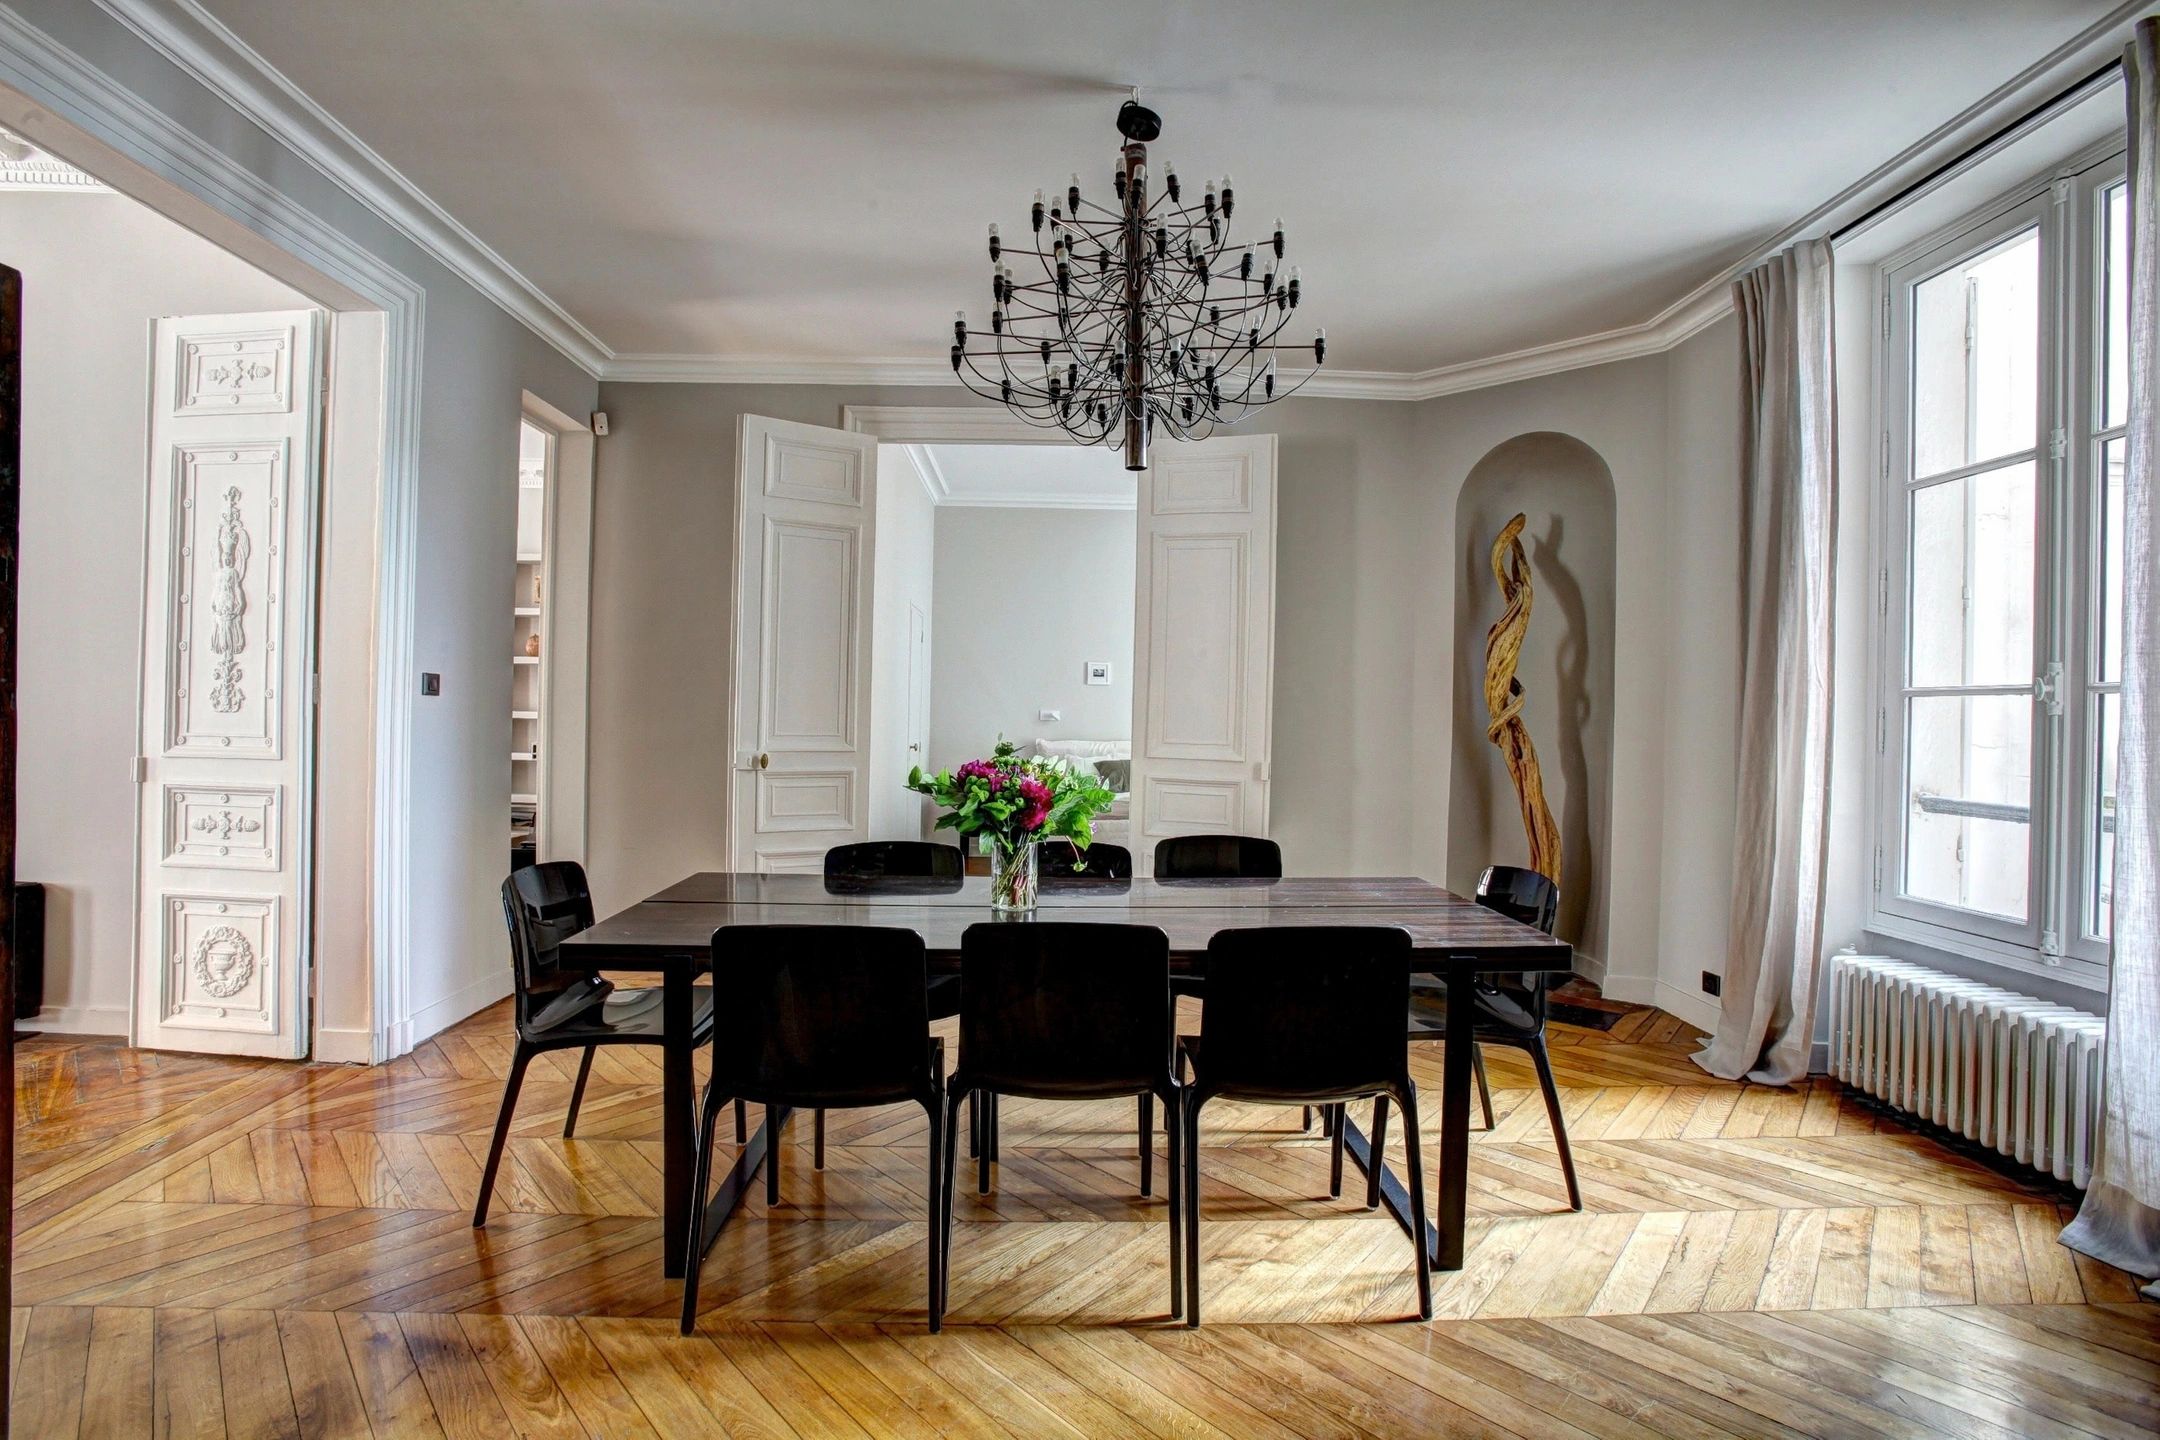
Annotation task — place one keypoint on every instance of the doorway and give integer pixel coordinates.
(1010, 569)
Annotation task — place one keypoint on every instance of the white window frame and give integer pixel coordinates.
(2068, 211)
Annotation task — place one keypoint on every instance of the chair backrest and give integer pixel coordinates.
(1050, 1008)
(894, 860)
(820, 1014)
(1218, 857)
(544, 905)
(1061, 860)
(1306, 1010)
(1520, 894)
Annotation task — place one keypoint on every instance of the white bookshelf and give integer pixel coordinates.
(528, 672)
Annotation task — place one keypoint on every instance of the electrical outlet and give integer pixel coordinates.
(1712, 983)
(430, 683)
(1051, 714)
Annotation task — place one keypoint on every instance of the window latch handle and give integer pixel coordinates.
(2048, 688)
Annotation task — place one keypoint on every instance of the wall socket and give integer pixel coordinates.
(430, 683)
(1712, 983)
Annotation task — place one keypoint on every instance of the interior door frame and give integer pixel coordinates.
(566, 534)
(368, 697)
(984, 425)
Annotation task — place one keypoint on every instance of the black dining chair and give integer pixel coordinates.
(1217, 857)
(1066, 1011)
(1303, 1016)
(1061, 861)
(566, 1009)
(864, 868)
(1511, 1009)
(830, 1016)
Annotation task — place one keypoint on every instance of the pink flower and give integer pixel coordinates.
(1037, 795)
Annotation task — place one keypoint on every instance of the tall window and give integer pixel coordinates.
(2004, 391)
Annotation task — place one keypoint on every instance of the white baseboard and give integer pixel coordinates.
(1701, 1011)
(430, 1019)
(344, 1047)
(78, 1020)
(1590, 968)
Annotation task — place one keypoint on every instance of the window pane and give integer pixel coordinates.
(1968, 829)
(2099, 920)
(1972, 580)
(2116, 257)
(1976, 352)
(2107, 654)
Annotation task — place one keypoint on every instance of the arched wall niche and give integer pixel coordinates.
(1565, 490)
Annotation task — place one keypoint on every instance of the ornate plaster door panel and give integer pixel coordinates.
(226, 726)
(1203, 642)
(804, 527)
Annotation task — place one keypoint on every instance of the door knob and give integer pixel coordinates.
(763, 760)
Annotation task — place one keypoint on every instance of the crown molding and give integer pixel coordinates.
(203, 47)
(200, 44)
(928, 471)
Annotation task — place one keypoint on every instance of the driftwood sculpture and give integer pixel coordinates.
(1504, 699)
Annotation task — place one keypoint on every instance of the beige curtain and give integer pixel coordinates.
(1788, 459)
(2120, 1219)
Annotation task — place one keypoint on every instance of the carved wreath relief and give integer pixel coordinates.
(224, 962)
(228, 606)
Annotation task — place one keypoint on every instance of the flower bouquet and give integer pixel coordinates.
(1015, 804)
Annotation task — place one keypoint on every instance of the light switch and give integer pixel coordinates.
(1049, 714)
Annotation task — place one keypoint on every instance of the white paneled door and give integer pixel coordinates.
(804, 532)
(1203, 641)
(226, 723)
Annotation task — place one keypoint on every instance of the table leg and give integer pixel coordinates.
(1393, 1197)
(678, 1086)
(1452, 1193)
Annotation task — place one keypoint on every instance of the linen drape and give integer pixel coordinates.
(2120, 1219)
(1788, 452)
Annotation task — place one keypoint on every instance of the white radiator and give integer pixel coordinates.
(2014, 1073)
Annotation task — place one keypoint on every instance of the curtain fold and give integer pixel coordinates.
(2120, 1219)
(1788, 452)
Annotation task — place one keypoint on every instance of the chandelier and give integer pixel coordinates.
(1147, 314)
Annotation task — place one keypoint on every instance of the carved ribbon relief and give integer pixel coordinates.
(228, 606)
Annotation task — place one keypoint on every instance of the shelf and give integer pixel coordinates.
(524, 759)
(527, 611)
(524, 659)
(524, 714)
(517, 799)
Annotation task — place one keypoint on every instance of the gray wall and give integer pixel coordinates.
(1024, 598)
(1565, 493)
(663, 591)
(97, 268)
(477, 360)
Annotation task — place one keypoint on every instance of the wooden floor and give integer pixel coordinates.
(210, 1247)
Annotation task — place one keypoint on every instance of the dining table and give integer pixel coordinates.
(670, 934)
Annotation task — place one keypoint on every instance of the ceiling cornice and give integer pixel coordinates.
(200, 44)
(927, 470)
(205, 48)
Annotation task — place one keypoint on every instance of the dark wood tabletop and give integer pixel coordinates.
(1446, 931)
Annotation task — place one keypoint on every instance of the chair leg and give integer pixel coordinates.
(1333, 1117)
(817, 1141)
(773, 1147)
(577, 1092)
(935, 1231)
(1484, 1090)
(1305, 1120)
(519, 1059)
(948, 1161)
(1191, 1201)
(1147, 1144)
(1173, 1126)
(742, 1122)
(974, 1126)
(701, 1177)
(1327, 1120)
(987, 1151)
(1378, 1154)
(1417, 1196)
(1559, 1123)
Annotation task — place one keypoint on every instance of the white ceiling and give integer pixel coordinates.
(809, 180)
(1062, 477)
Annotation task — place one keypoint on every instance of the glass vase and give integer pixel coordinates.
(1012, 878)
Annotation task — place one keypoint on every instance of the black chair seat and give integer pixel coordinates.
(628, 1017)
(1502, 1016)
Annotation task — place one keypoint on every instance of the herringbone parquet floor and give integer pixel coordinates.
(212, 1247)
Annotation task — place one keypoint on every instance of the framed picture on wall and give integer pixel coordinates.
(1098, 672)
